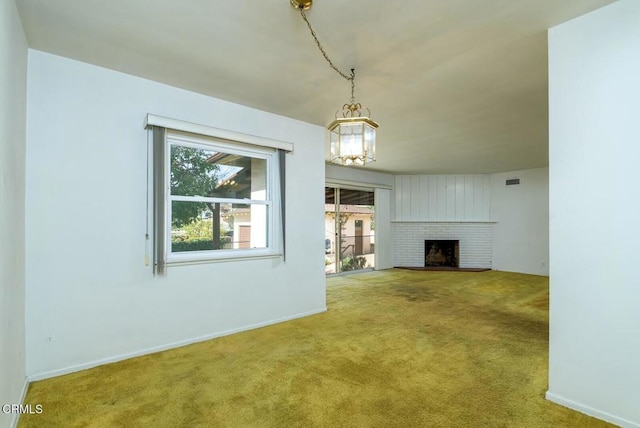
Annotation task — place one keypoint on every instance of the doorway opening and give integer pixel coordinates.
(349, 230)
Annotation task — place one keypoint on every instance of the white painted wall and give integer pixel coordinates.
(521, 213)
(594, 101)
(90, 298)
(433, 203)
(383, 188)
(383, 253)
(442, 197)
(13, 94)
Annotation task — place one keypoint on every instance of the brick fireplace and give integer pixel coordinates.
(475, 247)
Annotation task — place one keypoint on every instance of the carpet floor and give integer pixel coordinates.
(396, 348)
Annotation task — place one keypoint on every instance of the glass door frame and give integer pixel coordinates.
(339, 237)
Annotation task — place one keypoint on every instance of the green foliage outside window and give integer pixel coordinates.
(191, 175)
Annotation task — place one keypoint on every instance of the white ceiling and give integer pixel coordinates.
(458, 86)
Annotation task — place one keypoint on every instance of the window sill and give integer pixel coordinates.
(224, 258)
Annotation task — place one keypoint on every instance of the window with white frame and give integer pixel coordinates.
(217, 194)
(220, 198)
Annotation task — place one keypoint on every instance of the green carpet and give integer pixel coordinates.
(396, 348)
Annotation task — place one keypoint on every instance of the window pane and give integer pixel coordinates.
(197, 226)
(206, 172)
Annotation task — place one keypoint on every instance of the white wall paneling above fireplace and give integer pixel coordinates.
(476, 241)
(443, 197)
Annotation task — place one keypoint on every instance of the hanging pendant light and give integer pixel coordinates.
(352, 134)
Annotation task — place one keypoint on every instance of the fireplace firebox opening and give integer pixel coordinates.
(441, 253)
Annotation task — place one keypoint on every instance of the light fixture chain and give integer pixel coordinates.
(353, 136)
(313, 33)
(353, 85)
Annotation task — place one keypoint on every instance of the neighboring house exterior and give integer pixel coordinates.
(357, 231)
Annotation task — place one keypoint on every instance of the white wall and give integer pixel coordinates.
(90, 298)
(442, 197)
(13, 92)
(383, 188)
(521, 213)
(383, 253)
(469, 207)
(594, 101)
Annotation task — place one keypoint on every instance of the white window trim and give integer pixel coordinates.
(209, 131)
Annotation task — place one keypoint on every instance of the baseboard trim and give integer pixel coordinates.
(591, 411)
(15, 418)
(152, 350)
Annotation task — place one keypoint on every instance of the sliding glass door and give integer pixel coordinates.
(349, 230)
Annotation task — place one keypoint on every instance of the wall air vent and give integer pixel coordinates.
(512, 181)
